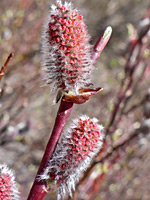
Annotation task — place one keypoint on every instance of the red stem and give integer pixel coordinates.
(39, 189)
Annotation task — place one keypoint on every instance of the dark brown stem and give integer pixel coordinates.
(39, 189)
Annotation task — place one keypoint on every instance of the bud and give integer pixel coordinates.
(8, 189)
(66, 49)
(73, 155)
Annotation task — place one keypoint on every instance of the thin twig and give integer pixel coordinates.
(2, 71)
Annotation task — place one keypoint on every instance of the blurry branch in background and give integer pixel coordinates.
(8, 132)
(136, 70)
(2, 71)
(136, 58)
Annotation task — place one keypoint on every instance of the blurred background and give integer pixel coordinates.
(26, 111)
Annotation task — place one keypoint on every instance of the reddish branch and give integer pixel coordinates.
(2, 71)
(39, 188)
(101, 43)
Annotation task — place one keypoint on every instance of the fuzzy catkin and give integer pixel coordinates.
(8, 189)
(73, 155)
(66, 50)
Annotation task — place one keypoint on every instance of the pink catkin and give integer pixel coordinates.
(8, 189)
(73, 155)
(66, 49)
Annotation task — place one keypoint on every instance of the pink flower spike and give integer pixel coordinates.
(65, 27)
(8, 189)
(101, 43)
(73, 154)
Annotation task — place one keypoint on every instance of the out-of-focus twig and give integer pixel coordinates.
(127, 82)
(2, 71)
